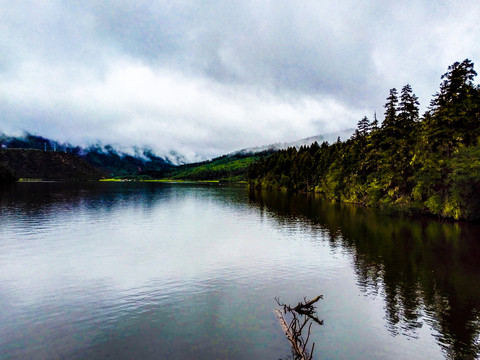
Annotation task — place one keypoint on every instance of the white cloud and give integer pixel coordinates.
(134, 104)
(206, 78)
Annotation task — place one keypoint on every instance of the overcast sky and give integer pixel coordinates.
(208, 77)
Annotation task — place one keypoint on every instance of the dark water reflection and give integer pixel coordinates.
(420, 265)
(178, 271)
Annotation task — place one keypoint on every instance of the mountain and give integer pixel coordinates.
(144, 164)
(329, 137)
(107, 159)
(116, 163)
(233, 167)
(47, 165)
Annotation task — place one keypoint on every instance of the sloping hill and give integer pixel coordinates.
(226, 168)
(48, 165)
(109, 160)
(117, 164)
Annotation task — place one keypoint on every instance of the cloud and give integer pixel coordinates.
(205, 78)
(165, 110)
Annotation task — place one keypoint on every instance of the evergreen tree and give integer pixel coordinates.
(408, 107)
(363, 126)
(457, 84)
(374, 124)
(454, 114)
(391, 109)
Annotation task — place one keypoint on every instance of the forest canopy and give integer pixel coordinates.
(421, 164)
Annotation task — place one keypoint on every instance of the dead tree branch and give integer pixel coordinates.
(301, 315)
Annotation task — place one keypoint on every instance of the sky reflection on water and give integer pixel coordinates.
(181, 271)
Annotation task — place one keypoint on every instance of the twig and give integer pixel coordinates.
(293, 331)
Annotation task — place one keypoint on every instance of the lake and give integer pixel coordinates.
(189, 271)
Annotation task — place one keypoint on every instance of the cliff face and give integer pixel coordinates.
(48, 165)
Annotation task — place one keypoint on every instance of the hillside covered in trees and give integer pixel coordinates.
(110, 162)
(421, 164)
(107, 159)
(45, 165)
(231, 168)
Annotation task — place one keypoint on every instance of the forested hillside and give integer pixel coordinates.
(224, 168)
(422, 164)
(106, 158)
(45, 165)
(118, 164)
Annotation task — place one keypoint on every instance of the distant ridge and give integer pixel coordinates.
(329, 137)
(48, 165)
(106, 158)
(32, 156)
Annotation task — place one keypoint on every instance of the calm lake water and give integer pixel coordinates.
(179, 271)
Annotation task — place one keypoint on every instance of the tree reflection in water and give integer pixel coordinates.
(418, 265)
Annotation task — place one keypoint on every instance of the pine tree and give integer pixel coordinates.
(408, 107)
(454, 117)
(456, 86)
(364, 126)
(374, 124)
(396, 151)
(391, 109)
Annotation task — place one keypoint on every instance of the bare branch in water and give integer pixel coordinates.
(301, 315)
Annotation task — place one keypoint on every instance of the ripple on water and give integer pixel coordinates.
(178, 272)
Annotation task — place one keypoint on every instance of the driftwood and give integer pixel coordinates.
(301, 314)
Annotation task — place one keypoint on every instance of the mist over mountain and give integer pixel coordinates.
(108, 159)
(116, 162)
(329, 137)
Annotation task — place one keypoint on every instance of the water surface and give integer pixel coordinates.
(178, 271)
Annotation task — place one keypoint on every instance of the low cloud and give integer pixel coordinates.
(207, 78)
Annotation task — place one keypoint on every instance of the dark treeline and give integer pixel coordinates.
(422, 164)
